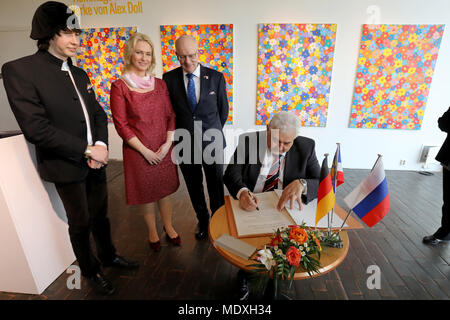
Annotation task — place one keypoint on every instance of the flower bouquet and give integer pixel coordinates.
(288, 249)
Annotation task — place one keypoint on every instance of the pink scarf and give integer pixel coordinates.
(137, 82)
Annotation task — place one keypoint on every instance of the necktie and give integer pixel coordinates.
(192, 99)
(272, 178)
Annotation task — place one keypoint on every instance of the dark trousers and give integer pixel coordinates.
(443, 232)
(86, 204)
(193, 176)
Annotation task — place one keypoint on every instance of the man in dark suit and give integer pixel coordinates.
(199, 99)
(273, 159)
(293, 161)
(443, 156)
(56, 109)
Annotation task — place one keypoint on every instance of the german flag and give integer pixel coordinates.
(325, 197)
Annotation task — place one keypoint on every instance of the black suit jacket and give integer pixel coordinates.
(443, 155)
(300, 163)
(212, 108)
(47, 108)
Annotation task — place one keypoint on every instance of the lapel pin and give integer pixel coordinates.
(206, 77)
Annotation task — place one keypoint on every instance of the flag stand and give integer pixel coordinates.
(334, 185)
(343, 223)
(333, 239)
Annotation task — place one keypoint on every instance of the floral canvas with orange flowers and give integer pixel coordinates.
(215, 43)
(294, 71)
(101, 56)
(393, 78)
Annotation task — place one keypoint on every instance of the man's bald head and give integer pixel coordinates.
(185, 40)
(186, 48)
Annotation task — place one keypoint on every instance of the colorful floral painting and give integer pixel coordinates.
(215, 42)
(294, 71)
(101, 56)
(393, 79)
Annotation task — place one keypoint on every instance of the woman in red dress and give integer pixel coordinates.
(144, 119)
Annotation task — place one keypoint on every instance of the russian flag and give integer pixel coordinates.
(370, 199)
(337, 172)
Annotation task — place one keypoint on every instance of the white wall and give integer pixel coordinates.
(359, 146)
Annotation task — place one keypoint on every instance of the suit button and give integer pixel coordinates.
(194, 118)
(83, 121)
(75, 98)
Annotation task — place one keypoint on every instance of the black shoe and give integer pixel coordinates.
(121, 262)
(101, 284)
(432, 240)
(243, 289)
(202, 232)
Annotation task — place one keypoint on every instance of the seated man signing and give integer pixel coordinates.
(274, 159)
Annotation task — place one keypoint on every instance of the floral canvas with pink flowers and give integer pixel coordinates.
(294, 71)
(215, 43)
(393, 78)
(101, 56)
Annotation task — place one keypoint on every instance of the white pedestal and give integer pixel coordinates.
(34, 240)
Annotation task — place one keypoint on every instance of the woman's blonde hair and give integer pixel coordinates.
(129, 50)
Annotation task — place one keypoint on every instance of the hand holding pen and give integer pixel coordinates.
(253, 199)
(248, 201)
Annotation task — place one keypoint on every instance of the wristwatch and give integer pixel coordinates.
(88, 152)
(303, 182)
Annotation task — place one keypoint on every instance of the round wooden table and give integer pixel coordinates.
(330, 258)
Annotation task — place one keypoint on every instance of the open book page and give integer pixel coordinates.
(264, 221)
(308, 214)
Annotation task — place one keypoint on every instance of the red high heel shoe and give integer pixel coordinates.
(155, 246)
(175, 241)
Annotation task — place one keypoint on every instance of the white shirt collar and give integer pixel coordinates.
(269, 157)
(65, 66)
(269, 153)
(282, 155)
(195, 73)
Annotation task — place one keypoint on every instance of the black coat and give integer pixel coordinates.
(47, 108)
(212, 108)
(300, 163)
(443, 155)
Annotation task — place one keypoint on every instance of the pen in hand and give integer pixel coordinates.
(253, 198)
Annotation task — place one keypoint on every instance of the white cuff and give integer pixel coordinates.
(100, 143)
(240, 191)
(305, 187)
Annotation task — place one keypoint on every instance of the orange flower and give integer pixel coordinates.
(293, 256)
(317, 242)
(298, 234)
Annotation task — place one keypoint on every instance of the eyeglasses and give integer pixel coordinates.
(190, 56)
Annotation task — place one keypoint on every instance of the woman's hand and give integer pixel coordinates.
(163, 150)
(152, 157)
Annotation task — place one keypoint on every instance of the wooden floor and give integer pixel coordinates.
(409, 269)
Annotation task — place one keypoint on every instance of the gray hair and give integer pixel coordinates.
(284, 121)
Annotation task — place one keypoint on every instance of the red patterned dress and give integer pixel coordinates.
(148, 116)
